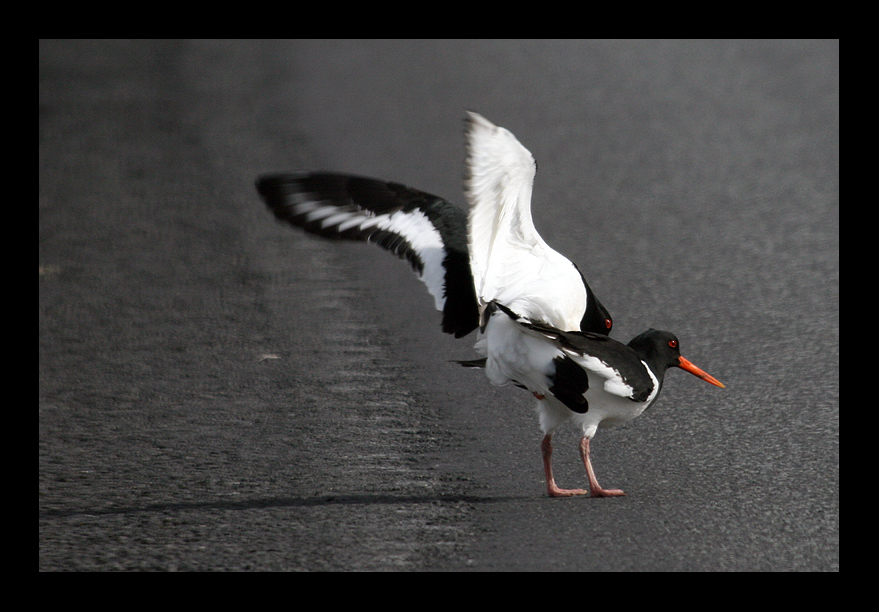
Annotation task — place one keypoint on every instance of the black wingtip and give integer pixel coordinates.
(267, 183)
(271, 186)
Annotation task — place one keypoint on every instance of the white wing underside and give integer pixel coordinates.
(510, 261)
(414, 226)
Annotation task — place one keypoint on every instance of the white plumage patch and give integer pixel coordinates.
(427, 242)
(516, 355)
(656, 386)
(412, 226)
(511, 263)
(613, 382)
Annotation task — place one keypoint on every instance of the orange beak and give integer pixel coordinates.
(689, 367)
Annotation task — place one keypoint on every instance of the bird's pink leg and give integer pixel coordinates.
(551, 488)
(595, 488)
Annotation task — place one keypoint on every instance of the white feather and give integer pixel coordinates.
(511, 263)
(414, 226)
(427, 242)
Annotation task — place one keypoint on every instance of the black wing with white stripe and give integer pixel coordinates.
(619, 365)
(425, 230)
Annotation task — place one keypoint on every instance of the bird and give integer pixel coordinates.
(531, 332)
(488, 270)
(431, 234)
(590, 379)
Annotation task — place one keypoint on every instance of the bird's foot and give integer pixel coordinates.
(554, 491)
(599, 492)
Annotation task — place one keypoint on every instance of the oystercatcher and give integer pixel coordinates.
(589, 378)
(489, 269)
(530, 304)
(432, 235)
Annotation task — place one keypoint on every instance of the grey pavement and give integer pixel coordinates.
(219, 392)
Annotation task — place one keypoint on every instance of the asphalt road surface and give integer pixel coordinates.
(220, 392)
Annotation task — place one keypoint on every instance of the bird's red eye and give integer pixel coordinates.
(608, 323)
(673, 343)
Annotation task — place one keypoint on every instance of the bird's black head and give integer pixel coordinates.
(660, 350)
(596, 319)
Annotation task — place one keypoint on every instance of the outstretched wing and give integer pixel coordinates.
(511, 263)
(425, 230)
